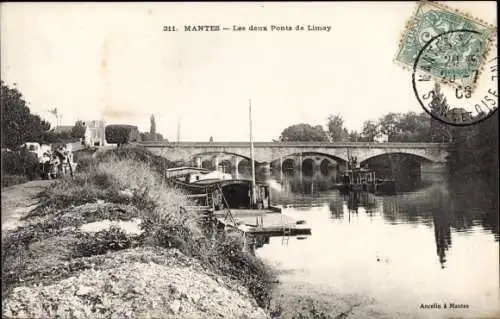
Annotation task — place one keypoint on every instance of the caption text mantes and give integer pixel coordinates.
(264, 28)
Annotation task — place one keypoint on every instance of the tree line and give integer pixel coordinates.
(474, 148)
(396, 127)
(19, 125)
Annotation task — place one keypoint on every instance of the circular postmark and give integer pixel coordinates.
(454, 78)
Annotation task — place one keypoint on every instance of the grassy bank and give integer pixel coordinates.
(150, 252)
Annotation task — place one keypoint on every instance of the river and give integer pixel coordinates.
(434, 245)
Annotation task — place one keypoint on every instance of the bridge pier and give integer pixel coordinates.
(281, 169)
(235, 162)
(215, 161)
(264, 169)
(198, 161)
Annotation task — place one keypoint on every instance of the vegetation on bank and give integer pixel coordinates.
(119, 185)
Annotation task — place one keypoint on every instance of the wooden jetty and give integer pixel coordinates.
(251, 221)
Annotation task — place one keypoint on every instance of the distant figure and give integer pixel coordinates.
(211, 139)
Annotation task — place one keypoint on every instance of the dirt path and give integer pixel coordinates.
(20, 199)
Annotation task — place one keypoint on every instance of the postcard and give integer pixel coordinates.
(250, 160)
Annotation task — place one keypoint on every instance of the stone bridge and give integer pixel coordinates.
(234, 153)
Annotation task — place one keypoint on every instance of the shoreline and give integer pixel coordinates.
(74, 254)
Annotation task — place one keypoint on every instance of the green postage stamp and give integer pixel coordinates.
(455, 58)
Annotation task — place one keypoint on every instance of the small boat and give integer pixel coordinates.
(363, 179)
(201, 176)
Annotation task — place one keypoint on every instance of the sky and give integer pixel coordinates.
(113, 61)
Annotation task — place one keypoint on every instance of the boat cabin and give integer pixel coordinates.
(358, 176)
(200, 176)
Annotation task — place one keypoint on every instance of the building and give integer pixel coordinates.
(382, 138)
(95, 133)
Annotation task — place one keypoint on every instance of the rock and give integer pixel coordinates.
(175, 306)
(127, 193)
(195, 297)
(82, 291)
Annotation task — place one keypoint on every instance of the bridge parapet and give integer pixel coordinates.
(271, 151)
(297, 144)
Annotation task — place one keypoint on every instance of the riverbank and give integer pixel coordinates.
(113, 243)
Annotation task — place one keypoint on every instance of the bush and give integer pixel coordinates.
(121, 134)
(127, 176)
(9, 180)
(21, 163)
(101, 242)
(155, 162)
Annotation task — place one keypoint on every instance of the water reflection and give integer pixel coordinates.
(444, 235)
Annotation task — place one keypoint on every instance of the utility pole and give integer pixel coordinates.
(178, 130)
(253, 199)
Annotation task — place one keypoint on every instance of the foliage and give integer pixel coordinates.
(18, 124)
(102, 242)
(353, 136)
(475, 152)
(399, 127)
(78, 131)
(439, 132)
(303, 133)
(112, 174)
(388, 125)
(157, 163)
(145, 136)
(336, 130)
(370, 131)
(121, 134)
(10, 180)
(151, 135)
(21, 163)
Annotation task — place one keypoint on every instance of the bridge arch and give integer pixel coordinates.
(218, 154)
(226, 166)
(337, 159)
(207, 164)
(288, 165)
(421, 157)
(326, 166)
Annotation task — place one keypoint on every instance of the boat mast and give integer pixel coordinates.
(253, 201)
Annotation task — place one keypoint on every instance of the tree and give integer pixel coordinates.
(121, 134)
(18, 124)
(145, 136)
(389, 125)
(78, 131)
(370, 131)
(353, 136)
(336, 131)
(303, 133)
(439, 132)
(152, 129)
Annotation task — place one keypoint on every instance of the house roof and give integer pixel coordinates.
(63, 128)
